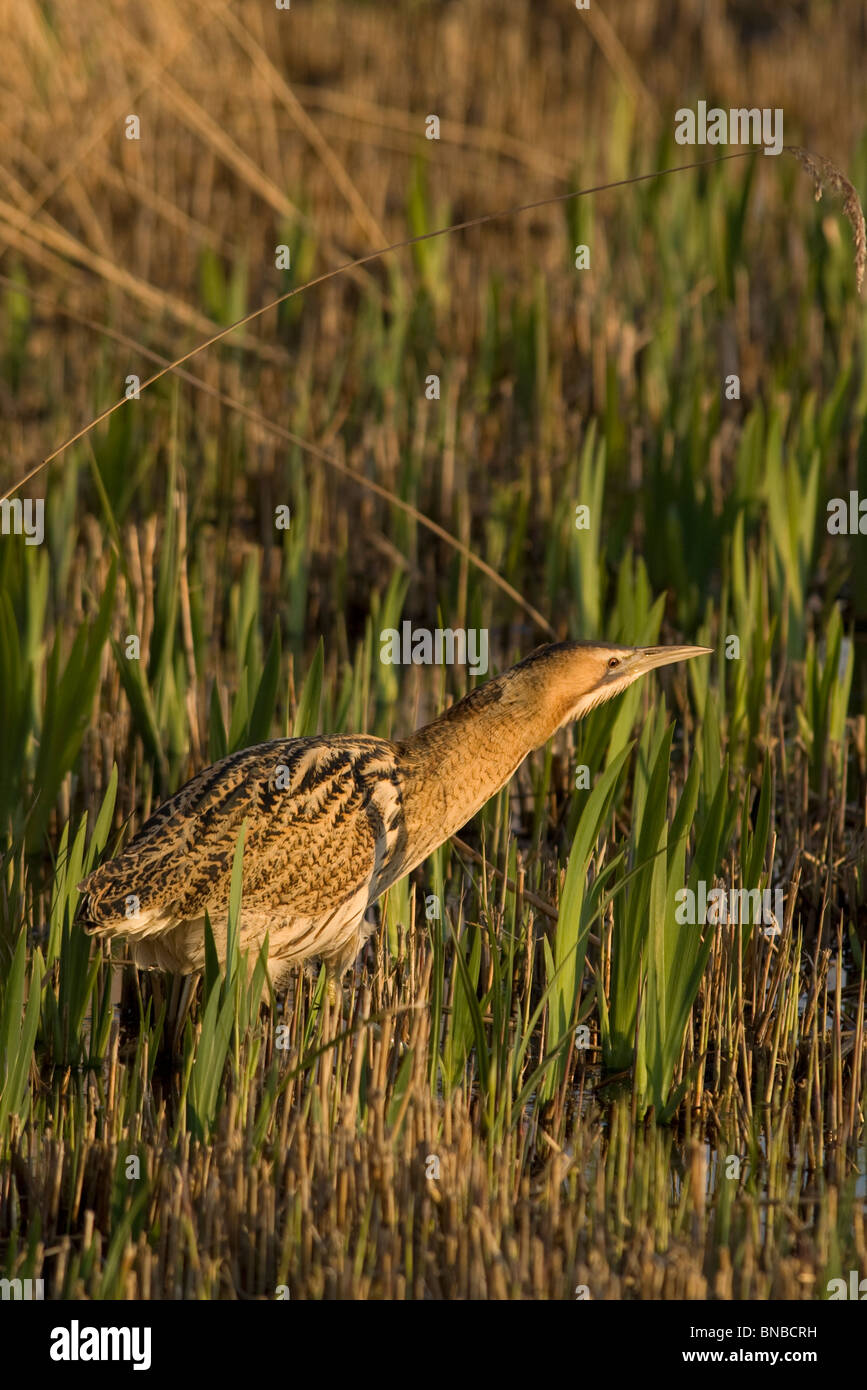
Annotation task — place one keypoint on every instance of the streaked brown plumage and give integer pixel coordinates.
(333, 821)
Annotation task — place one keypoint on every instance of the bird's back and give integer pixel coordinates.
(324, 829)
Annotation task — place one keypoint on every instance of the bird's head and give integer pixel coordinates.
(577, 676)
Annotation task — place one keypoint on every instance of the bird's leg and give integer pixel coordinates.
(338, 962)
(336, 967)
(333, 976)
(334, 973)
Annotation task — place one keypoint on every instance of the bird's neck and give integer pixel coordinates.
(452, 766)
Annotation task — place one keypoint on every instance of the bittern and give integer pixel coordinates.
(331, 822)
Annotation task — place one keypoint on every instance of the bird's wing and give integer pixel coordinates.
(322, 814)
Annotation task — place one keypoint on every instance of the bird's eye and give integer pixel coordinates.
(612, 662)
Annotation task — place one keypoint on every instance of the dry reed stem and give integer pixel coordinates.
(823, 172)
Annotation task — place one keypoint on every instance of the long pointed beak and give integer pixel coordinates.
(647, 658)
